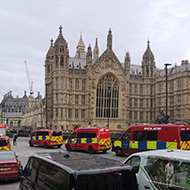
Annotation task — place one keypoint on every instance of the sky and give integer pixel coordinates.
(28, 26)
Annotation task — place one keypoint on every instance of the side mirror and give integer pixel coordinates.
(20, 171)
(136, 169)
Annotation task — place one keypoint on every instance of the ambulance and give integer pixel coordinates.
(90, 139)
(46, 138)
(150, 137)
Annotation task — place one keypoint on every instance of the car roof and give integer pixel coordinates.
(81, 162)
(4, 137)
(92, 128)
(47, 130)
(173, 154)
(8, 151)
(159, 125)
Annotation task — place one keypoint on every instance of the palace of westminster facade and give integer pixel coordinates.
(100, 90)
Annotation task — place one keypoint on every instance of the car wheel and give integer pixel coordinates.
(45, 145)
(90, 150)
(118, 152)
(104, 151)
(68, 148)
(31, 144)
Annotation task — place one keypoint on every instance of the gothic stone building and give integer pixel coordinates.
(100, 90)
(33, 116)
(11, 110)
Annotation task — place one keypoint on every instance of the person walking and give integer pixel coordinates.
(15, 136)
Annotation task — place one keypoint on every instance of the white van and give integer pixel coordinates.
(161, 169)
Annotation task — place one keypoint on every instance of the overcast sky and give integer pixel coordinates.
(27, 27)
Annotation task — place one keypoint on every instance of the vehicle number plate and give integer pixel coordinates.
(5, 169)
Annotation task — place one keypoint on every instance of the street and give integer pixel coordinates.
(23, 151)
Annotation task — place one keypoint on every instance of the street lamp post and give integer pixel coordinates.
(41, 114)
(166, 70)
(46, 107)
(109, 96)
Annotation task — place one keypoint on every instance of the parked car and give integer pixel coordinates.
(76, 171)
(161, 169)
(90, 139)
(9, 165)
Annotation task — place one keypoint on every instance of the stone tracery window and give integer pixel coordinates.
(107, 97)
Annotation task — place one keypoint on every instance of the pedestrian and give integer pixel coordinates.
(169, 170)
(15, 136)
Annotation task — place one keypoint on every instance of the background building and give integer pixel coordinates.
(34, 116)
(100, 90)
(11, 110)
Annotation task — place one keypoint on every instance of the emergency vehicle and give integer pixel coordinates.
(149, 137)
(90, 139)
(5, 144)
(2, 129)
(46, 138)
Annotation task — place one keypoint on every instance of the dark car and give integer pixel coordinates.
(76, 171)
(9, 165)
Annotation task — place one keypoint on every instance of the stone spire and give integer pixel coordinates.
(50, 51)
(148, 62)
(127, 62)
(89, 56)
(109, 40)
(148, 53)
(60, 41)
(96, 50)
(80, 48)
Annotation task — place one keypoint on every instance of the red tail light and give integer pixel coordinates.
(110, 171)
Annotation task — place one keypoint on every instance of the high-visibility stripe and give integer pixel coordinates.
(185, 145)
(54, 139)
(171, 145)
(133, 144)
(149, 145)
(4, 148)
(105, 142)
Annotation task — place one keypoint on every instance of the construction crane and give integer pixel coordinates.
(29, 82)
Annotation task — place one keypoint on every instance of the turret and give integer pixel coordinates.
(96, 50)
(61, 52)
(89, 57)
(127, 62)
(148, 63)
(109, 40)
(80, 48)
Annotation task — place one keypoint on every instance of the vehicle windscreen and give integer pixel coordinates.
(6, 155)
(185, 135)
(166, 171)
(121, 180)
(56, 133)
(3, 142)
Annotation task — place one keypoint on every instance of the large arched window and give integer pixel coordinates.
(107, 97)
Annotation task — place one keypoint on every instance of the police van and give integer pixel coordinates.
(90, 139)
(149, 137)
(161, 169)
(46, 138)
(76, 171)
